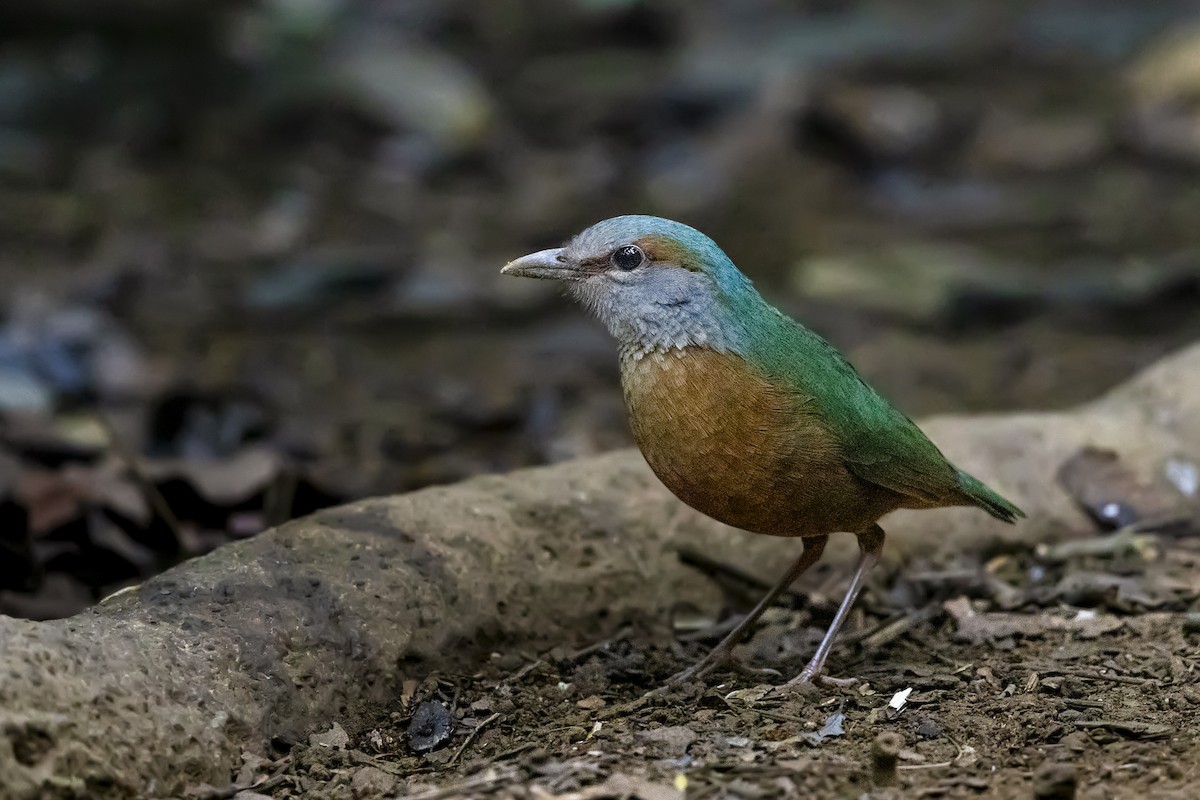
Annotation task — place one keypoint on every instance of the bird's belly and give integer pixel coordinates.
(729, 444)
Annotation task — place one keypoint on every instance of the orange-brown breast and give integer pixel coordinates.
(728, 443)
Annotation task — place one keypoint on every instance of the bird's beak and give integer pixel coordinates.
(550, 264)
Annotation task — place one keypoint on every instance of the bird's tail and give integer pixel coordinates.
(989, 501)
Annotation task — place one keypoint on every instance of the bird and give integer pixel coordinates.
(745, 414)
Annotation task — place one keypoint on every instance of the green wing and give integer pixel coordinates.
(880, 444)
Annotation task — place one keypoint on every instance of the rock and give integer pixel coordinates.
(335, 738)
(591, 703)
(671, 742)
(320, 278)
(919, 281)
(731, 57)
(22, 391)
(687, 175)
(940, 204)
(929, 729)
(1104, 33)
(285, 220)
(1008, 140)
(369, 782)
(64, 351)
(621, 785)
(406, 84)
(430, 727)
(882, 123)
(1164, 90)
(958, 286)
(264, 637)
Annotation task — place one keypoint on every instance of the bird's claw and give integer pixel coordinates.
(807, 679)
(837, 683)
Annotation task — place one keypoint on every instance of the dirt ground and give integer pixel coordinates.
(980, 679)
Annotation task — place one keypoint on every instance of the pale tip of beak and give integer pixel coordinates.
(542, 264)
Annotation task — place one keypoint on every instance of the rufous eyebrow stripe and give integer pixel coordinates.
(666, 250)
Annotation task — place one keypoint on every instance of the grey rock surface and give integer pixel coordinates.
(164, 686)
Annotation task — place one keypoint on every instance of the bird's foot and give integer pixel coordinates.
(836, 683)
(809, 677)
(805, 687)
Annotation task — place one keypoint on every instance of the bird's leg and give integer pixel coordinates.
(870, 545)
(813, 548)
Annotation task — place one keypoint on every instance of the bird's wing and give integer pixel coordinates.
(886, 448)
(879, 443)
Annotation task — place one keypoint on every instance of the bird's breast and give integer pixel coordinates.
(730, 443)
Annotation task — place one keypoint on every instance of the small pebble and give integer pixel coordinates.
(430, 726)
(1072, 686)
(928, 729)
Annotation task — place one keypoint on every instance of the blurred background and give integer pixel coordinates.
(250, 248)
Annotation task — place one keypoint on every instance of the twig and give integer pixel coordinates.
(1098, 676)
(940, 764)
(359, 757)
(628, 707)
(762, 712)
(775, 715)
(600, 645)
(1074, 702)
(515, 751)
(471, 737)
(1129, 728)
(719, 569)
(491, 776)
(894, 629)
(149, 489)
(639, 563)
(525, 670)
(271, 783)
(1129, 539)
(231, 790)
(714, 631)
(922, 646)
(279, 498)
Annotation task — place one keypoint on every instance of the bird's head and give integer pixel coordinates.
(656, 284)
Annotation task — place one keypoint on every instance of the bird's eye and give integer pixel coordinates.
(628, 258)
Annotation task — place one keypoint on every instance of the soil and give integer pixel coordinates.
(1040, 701)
